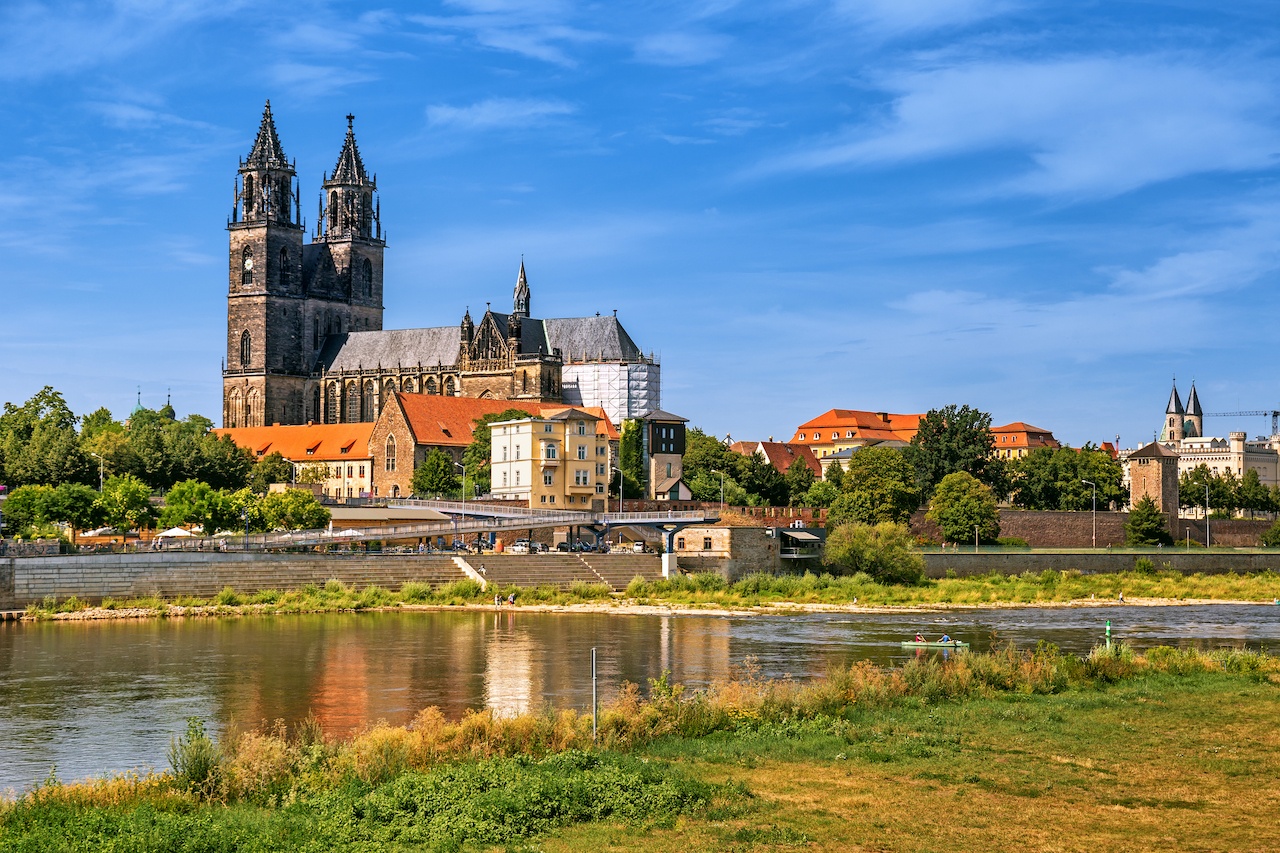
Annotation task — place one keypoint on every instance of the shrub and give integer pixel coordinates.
(227, 596)
(416, 591)
(638, 588)
(196, 760)
(885, 551)
(1013, 542)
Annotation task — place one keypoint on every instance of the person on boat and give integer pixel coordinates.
(944, 639)
(919, 637)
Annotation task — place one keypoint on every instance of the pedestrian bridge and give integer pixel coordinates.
(465, 519)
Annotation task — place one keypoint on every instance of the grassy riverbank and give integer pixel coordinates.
(1007, 751)
(708, 591)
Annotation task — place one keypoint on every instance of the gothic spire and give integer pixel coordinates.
(266, 151)
(521, 307)
(1193, 403)
(1175, 403)
(350, 168)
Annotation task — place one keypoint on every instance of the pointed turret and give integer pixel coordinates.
(348, 207)
(521, 307)
(1194, 426)
(267, 152)
(1173, 418)
(266, 190)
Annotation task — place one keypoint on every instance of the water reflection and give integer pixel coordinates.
(94, 697)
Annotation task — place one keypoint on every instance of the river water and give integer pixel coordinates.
(95, 697)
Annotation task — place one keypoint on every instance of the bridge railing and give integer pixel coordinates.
(489, 509)
(673, 515)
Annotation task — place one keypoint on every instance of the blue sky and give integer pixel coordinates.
(1044, 210)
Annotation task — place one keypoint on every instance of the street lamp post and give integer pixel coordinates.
(721, 473)
(1206, 515)
(101, 463)
(1095, 510)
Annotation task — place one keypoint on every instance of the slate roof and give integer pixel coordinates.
(660, 415)
(1193, 403)
(1175, 403)
(579, 338)
(356, 350)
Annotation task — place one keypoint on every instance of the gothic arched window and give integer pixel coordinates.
(367, 409)
(450, 389)
(248, 196)
(430, 386)
(333, 211)
(315, 332)
(391, 453)
(246, 348)
(252, 408)
(246, 266)
(235, 409)
(330, 415)
(315, 406)
(366, 276)
(353, 403)
(410, 386)
(284, 268)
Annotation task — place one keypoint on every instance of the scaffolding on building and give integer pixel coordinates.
(625, 390)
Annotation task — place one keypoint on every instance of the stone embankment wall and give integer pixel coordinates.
(937, 565)
(29, 580)
(1075, 529)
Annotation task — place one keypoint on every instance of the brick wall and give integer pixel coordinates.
(1075, 529)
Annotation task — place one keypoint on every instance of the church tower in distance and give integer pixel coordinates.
(265, 367)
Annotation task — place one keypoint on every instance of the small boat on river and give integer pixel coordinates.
(934, 644)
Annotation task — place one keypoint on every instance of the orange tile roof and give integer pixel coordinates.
(450, 421)
(866, 426)
(299, 443)
(1021, 434)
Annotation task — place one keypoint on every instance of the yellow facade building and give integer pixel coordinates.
(558, 460)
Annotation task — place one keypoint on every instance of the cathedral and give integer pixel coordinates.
(305, 342)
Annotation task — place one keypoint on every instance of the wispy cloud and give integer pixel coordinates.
(316, 77)
(61, 38)
(898, 17)
(681, 48)
(537, 29)
(498, 113)
(1090, 127)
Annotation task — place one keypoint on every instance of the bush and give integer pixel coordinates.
(884, 551)
(1013, 542)
(196, 760)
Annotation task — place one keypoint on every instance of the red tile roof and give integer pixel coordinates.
(441, 421)
(1021, 434)
(865, 426)
(780, 455)
(299, 443)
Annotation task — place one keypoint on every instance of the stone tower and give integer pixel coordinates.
(1194, 424)
(520, 303)
(265, 368)
(1153, 473)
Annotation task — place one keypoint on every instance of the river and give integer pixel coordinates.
(95, 697)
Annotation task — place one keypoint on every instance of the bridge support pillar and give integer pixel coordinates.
(669, 566)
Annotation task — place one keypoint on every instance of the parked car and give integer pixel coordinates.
(520, 546)
(638, 547)
(564, 547)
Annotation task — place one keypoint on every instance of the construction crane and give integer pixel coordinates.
(1255, 413)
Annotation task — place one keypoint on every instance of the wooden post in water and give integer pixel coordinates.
(594, 705)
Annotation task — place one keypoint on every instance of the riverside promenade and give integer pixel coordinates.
(93, 577)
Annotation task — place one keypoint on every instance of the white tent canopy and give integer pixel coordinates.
(174, 532)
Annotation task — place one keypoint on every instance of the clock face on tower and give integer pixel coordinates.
(248, 263)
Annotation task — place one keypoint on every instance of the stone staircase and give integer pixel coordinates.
(617, 570)
(554, 569)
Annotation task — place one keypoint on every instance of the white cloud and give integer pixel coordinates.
(896, 17)
(681, 48)
(44, 39)
(537, 30)
(1091, 127)
(500, 113)
(316, 78)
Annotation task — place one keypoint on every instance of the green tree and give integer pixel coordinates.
(272, 468)
(704, 454)
(631, 452)
(1271, 538)
(705, 486)
(880, 485)
(1254, 497)
(76, 505)
(28, 507)
(435, 475)
(1054, 479)
(194, 502)
(480, 451)
(39, 445)
(292, 509)
(800, 478)
(962, 503)
(765, 485)
(1146, 525)
(835, 475)
(125, 503)
(954, 438)
(821, 494)
(314, 474)
(886, 551)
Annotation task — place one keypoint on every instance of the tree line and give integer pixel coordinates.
(51, 459)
